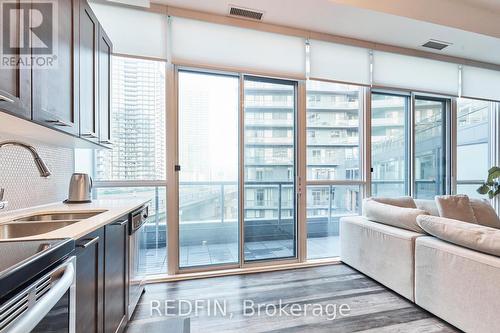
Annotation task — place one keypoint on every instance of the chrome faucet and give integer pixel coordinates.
(3, 203)
(39, 163)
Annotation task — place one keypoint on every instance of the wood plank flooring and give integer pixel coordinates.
(373, 308)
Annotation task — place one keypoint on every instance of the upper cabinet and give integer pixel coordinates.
(89, 62)
(74, 95)
(55, 90)
(15, 83)
(105, 50)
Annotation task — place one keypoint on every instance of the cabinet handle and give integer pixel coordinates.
(106, 142)
(59, 123)
(4, 98)
(89, 135)
(120, 223)
(88, 243)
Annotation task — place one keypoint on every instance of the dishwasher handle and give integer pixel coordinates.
(28, 321)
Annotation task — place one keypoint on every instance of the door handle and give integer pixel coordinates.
(4, 98)
(59, 123)
(119, 223)
(88, 243)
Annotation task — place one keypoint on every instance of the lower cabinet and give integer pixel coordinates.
(115, 276)
(102, 279)
(89, 283)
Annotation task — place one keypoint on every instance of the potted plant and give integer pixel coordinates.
(492, 184)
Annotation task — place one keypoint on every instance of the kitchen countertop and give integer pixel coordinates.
(113, 209)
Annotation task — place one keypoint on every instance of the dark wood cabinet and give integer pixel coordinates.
(105, 51)
(90, 282)
(15, 83)
(89, 104)
(115, 276)
(102, 279)
(55, 91)
(73, 96)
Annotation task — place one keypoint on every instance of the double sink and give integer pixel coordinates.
(42, 223)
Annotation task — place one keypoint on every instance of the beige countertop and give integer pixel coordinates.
(113, 209)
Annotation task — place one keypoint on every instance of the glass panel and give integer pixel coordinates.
(332, 131)
(155, 243)
(269, 209)
(470, 190)
(389, 145)
(137, 122)
(473, 143)
(430, 148)
(208, 180)
(326, 204)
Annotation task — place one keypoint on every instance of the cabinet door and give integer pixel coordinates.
(89, 283)
(105, 51)
(89, 34)
(115, 276)
(55, 91)
(15, 83)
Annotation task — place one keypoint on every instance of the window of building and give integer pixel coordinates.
(139, 149)
(473, 144)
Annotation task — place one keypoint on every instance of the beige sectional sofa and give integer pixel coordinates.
(457, 284)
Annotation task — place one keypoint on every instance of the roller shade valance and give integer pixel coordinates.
(225, 46)
(339, 62)
(134, 32)
(480, 83)
(421, 74)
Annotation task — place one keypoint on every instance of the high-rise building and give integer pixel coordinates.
(138, 122)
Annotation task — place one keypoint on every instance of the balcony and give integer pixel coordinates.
(214, 239)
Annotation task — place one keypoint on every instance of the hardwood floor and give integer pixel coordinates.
(373, 308)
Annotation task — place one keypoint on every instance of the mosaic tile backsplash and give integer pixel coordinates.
(20, 178)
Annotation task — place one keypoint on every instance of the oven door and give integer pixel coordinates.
(47, 305)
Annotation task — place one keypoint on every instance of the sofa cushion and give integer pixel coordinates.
(405, 218)
(469, 235)
(485, 214)
(404, 202)
(428, 205)
(455, 207)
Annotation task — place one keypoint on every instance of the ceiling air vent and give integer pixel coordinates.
(245, 13)
(436, 44)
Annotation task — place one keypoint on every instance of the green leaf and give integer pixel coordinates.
(491, 194)
(483, 189)
(493, 173)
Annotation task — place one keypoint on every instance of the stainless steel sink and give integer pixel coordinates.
(42, 223)
(62, 216)
(25, 229)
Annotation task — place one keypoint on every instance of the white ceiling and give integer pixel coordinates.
(353, 19)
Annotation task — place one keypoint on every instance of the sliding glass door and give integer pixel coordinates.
(269, 169)
(209, 169)
(430, 147)
(390, 145)
(409, 145)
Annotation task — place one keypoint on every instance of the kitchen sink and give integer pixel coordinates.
(62, 216)
(42, 223)
(25, 229)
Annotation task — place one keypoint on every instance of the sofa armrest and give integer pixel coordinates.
(384, 253)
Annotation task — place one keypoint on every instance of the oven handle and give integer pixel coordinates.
(33, 316)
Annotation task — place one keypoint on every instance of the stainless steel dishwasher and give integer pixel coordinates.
(137, 253)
